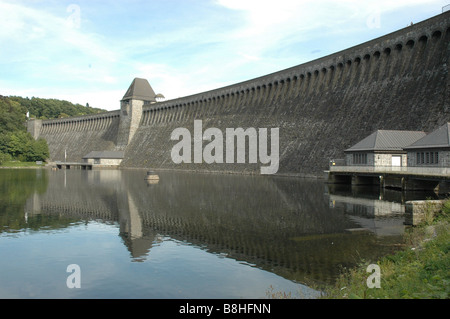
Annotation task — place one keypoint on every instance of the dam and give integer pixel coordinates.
(399, 81)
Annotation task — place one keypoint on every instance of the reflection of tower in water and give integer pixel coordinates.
(279, 224)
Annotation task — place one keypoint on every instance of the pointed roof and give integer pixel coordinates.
(438, 138)
(140, 89)
(387, 140)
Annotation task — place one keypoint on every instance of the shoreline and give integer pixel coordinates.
(418, 271)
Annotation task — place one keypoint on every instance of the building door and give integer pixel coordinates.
(396, 161)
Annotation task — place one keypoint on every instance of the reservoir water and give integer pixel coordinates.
(187, 235)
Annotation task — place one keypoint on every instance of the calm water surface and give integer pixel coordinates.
(186, 236)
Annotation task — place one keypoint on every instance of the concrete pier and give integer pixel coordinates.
(403, 178)
(419, 210)
(69, 165)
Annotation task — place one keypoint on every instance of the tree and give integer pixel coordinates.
(20, 145)
(15, 141)
(12, 115)
(39, 151)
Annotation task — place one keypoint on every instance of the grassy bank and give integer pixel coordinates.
(421, 270)
(18, 164)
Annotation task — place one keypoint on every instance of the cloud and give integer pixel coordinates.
(268, 24)
(34, 36)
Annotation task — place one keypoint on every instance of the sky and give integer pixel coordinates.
(89, 51)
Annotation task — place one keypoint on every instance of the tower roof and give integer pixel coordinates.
(140, 89)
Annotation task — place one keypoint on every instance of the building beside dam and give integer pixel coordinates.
(408, 160)
(399, 81)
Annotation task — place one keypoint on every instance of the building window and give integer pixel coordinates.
(424, 158)
(360, 158)
(96, 161)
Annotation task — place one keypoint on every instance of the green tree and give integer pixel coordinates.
(15, 141)
(20, 145)
(39, 151)
(12, 115)
(4, 157)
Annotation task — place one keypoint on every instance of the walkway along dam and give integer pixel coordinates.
(399, 82)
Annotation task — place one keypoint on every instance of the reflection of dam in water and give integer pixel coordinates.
(284, 225)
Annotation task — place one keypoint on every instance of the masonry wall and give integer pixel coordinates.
(399, 81)
(80, 135)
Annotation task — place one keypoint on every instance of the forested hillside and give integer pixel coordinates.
(52, 108)
(15, 142)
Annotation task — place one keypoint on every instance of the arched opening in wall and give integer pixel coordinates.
(349, 63)
(410, 44)
(316, 73)
(387, 51)
(398, 47)
(308, 75)
(340, 65)
(332, 67)
(436, 35)
(324, 70)
(423, 39)
(366, 57)
(377, 54)
(357, 60)
(270, 90)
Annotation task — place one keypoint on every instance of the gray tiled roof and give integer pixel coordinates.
(104, 154)
(140, 89)
(437, 138)
(387, 140)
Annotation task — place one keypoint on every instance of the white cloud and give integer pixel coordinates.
(267, 24)
(36, 35)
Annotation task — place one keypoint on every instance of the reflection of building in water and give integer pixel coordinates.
(282, 225)
(378, 210)
(95, 195)
(371, 214)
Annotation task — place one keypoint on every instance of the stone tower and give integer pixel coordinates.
(139, 93)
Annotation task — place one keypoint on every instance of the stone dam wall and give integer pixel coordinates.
(77, 136)
(398, 81)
